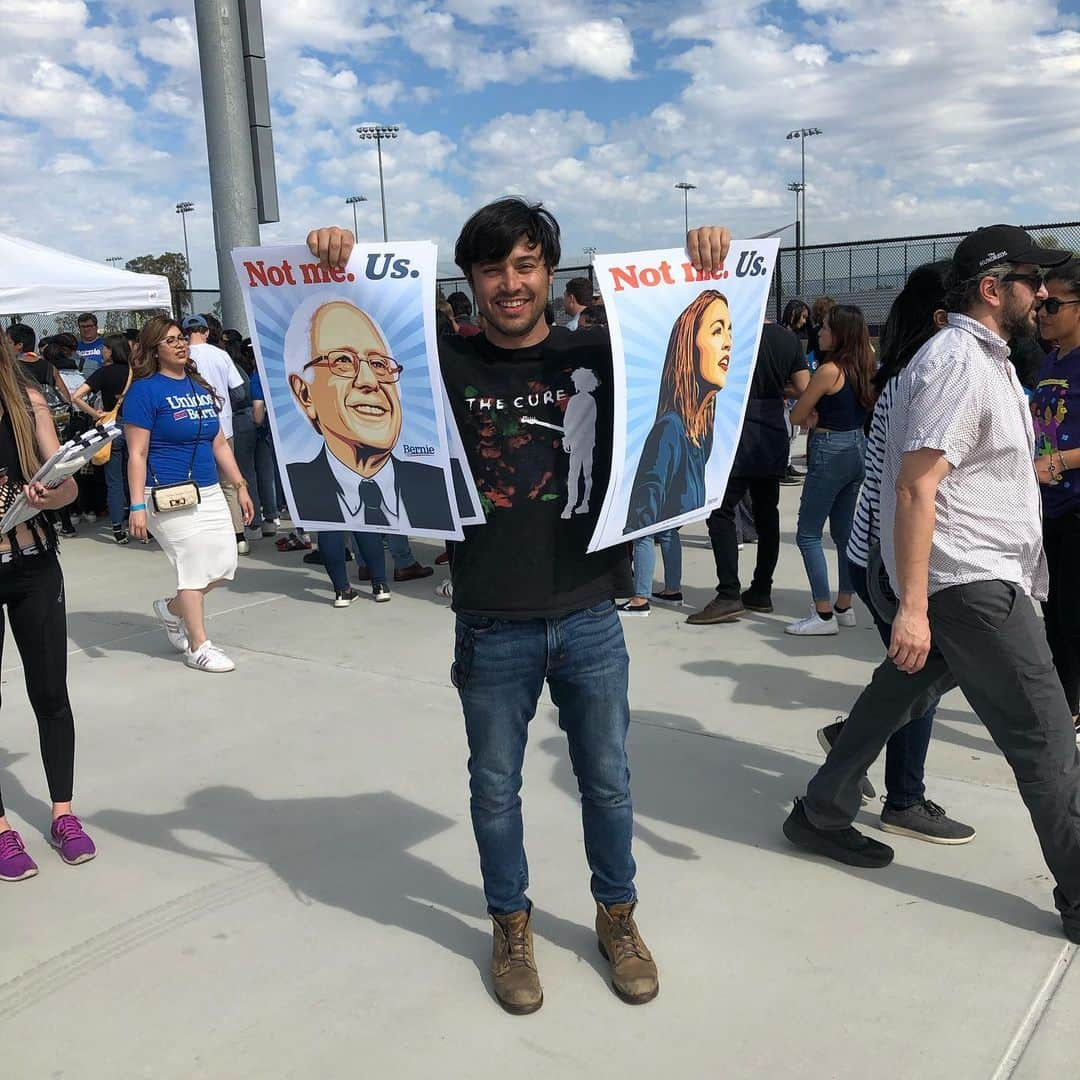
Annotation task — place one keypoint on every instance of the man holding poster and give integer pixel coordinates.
(532, 605)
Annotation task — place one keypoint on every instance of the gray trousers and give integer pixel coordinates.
(989, 642)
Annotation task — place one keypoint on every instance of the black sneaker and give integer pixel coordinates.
(380, 593)
(926, 820)
(633, 609)
(65, 531)
(755, 601)
(826, 738)
(668, 597)
(847, 846)
(119, 535)
(792, 477)
(345, 597)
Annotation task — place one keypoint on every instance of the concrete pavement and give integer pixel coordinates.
(287, 884)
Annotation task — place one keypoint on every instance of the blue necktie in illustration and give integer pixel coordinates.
(372, 497)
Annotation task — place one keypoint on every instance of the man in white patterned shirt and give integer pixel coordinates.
(961, 538)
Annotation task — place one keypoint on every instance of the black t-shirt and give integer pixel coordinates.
(779, 357)
(40, 370)
(109, 381)
(763, 445)
(529, 560)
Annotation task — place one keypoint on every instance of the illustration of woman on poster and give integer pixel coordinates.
(670, 477)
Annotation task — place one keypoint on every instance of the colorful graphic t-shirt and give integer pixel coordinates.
(1055, 407)
(536, 424)
(178, 413)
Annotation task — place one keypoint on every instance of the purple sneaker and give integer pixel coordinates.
(67, 836)
(15, 864)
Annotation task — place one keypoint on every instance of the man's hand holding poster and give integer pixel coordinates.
(684, 347)
(349, 366)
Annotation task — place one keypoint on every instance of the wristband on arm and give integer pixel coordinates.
(136, 506)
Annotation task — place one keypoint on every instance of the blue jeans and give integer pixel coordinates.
(244, 436)
(400, 551)
(366, 545)
(115, 471)
(266, 472)
(499, 670)
(645, 562)
(830, 491)
(905, 752)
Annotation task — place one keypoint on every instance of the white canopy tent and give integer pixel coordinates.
(34, 279)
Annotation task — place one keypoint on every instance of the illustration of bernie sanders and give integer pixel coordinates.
(347, 385)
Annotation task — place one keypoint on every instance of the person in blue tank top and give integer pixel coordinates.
(835, 404)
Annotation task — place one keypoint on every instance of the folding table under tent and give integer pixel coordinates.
(36, 279)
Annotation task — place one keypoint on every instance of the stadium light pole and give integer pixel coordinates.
(802, 134)
(797, 188)
(590, 253)
(183, 209)
(378, 132)
(686, 188)
(114, 260)
(353, 200)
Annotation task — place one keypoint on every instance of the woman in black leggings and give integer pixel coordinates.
(32, 592)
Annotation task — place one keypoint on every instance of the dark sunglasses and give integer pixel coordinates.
(1052, 305)
(1036, 280)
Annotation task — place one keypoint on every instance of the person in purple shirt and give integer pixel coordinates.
(1055, 407)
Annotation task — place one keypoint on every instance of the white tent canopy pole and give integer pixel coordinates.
(35, 279)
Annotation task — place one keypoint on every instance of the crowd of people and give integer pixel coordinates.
(947, 476)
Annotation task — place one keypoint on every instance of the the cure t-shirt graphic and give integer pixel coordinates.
(178, 413)
(536, 427)
(1055, 408)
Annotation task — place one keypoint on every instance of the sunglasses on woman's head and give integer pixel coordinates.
(1052, 305)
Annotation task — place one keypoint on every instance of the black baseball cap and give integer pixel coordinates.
(994, 245)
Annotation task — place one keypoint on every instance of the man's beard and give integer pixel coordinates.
(494, 316)
(1017, 318)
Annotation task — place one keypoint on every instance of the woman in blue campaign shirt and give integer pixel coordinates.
(1055, 407)
(173, 436)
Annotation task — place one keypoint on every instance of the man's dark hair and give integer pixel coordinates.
(132, 334)
(23, 336)
(213, 326)
(581, 289)
(68, 340)
(460, 304)
(53, 351)
(491, 233)
(595, 315)
(87, 316)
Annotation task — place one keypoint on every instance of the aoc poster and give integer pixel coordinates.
(348, 362)
(684, 348)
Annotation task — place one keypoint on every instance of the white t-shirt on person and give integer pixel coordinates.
(216, 367)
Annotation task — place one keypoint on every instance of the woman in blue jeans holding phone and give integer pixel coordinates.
(835, 404)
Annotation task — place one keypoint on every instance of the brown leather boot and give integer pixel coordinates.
(633, 972)
(513, 968)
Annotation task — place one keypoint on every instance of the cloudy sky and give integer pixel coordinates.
(937, 115)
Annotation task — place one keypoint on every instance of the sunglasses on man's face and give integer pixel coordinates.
(1052, 305)
(1035, 280)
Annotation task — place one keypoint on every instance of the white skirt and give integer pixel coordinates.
(200, 542)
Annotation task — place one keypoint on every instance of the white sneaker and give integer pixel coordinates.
(243, 547)
(90, 519)
(445, 590)
(173, 624)
(813, 626)
(208, 657)
(845, 618)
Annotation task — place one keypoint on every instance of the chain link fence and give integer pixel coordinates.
(869, 273)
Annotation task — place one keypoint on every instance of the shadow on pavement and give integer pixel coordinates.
(742, 792)
(349, 852)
